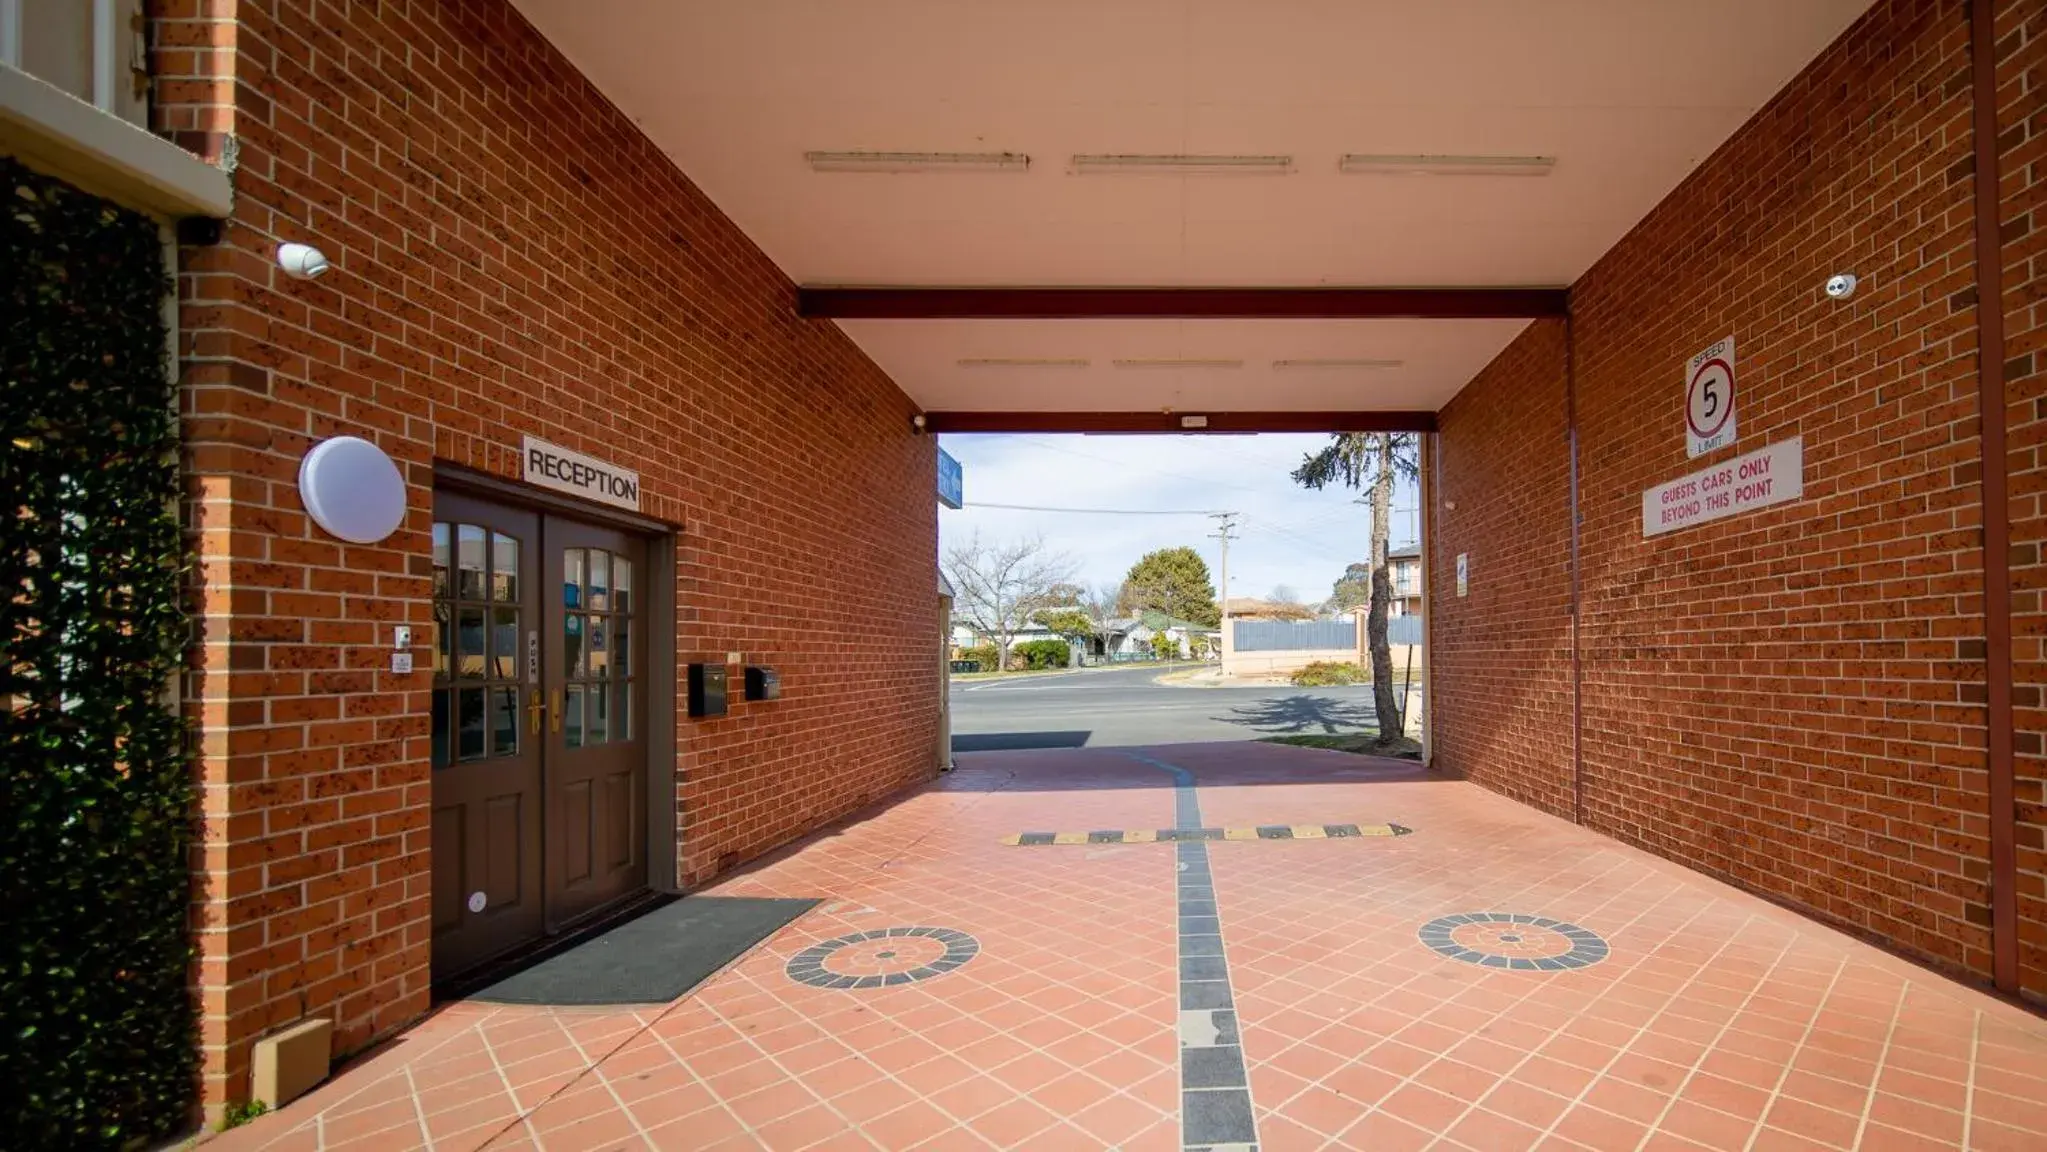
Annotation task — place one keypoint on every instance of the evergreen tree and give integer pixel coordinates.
(1174, 581)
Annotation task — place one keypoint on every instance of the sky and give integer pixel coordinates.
(1287, 535)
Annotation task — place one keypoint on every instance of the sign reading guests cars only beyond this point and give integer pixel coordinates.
(1772, 475)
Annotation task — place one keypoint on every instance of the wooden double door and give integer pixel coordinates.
(539, 725)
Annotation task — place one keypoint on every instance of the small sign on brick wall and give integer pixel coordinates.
(1709, 399)
(1772, 475)
(552, 466)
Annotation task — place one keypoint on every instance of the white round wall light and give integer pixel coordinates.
(302, 261)
(351, 489)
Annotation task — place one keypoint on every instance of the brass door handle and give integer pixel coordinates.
(533, 710)
(556, 711)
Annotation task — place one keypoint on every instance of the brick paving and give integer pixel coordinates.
(1353, 983)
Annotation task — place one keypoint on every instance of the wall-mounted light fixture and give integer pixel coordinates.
(302, 261)
(352, 490)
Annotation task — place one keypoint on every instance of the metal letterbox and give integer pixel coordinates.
(707, 690)
(763, 683)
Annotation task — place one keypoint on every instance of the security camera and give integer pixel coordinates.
(1842, 286)
(302, 261)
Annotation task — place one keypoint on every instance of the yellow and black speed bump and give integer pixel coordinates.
(1166, 835)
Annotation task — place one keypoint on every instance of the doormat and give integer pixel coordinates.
(652, 959)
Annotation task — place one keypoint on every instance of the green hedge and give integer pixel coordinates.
(1329, 674)
(97, 1041)
(1037, 654)
(984, 655)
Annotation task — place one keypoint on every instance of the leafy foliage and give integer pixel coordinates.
(1174, 581)
(1037, 654)
(244, 1113)
(97, 1042)
(985, 655)
(1328, 674)
(1373, 461)
(1352, 460)
(1353, 589)
(1070, 622)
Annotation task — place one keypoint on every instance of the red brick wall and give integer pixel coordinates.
(1789, 699)
(511, 257)
(191, 67)
(1501, 656)
(2022, 168)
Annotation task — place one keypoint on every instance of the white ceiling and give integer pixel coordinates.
(1628, 95)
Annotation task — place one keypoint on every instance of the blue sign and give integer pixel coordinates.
(952, 491)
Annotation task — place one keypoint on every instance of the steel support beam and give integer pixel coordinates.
(1180, 303)
(1179, 422)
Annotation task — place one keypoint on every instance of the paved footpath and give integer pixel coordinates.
(1492, 979)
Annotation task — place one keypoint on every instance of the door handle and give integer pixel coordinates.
(533, 710)
(555, 713)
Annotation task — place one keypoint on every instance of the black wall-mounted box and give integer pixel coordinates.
(707, 690)
(763, 683)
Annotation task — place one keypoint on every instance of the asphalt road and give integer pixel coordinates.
(1127, 707)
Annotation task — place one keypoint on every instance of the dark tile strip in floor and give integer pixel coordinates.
(1215, 1092)
(1169, 835)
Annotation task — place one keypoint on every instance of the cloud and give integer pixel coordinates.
(1288, 535)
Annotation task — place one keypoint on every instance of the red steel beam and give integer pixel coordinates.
(1175, 422)
(1180, 303)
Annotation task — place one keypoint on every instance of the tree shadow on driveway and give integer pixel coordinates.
(1304, 713)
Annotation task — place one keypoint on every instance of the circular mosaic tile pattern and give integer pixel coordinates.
(883, 957)
(1514, 940)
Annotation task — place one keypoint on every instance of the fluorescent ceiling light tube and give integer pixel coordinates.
(918, 161)
(1021, 362)
(1364, 364)
(1183, 165)
(1178, 363)
(1363, 165)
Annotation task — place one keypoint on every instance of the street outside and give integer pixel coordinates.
(1126, 707)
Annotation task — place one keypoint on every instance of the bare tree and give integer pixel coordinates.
(1083, 614)
(1000, 586)
(1099, 604)
(1371, 460)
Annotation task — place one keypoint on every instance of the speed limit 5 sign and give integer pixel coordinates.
(1709, 399)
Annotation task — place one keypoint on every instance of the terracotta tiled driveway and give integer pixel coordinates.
(1351, 1001)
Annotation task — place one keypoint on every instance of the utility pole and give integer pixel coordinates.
(1226, 523)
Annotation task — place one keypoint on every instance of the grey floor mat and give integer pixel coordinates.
(652, 959)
